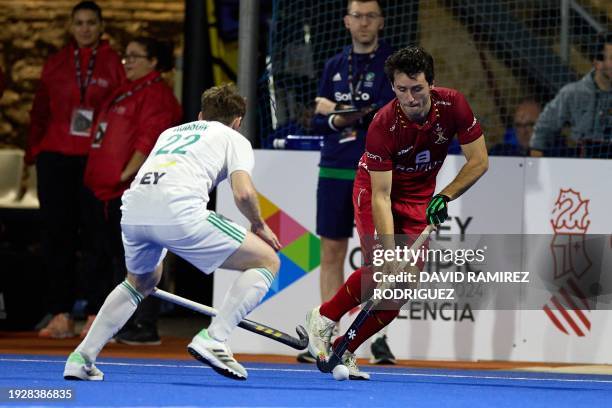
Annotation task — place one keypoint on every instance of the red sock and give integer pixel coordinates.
(373, 324)
(347, 297)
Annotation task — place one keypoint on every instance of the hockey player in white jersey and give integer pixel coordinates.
(165, 210)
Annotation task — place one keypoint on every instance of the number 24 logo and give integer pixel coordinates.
(174, 139)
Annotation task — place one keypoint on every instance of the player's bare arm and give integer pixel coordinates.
(245, 197)
(381, 206)
(476, 165)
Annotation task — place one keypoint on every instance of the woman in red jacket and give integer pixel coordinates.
(124, 132)
(73, 84)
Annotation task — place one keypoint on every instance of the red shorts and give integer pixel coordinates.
(408, 216)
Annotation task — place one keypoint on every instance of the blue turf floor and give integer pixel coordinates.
(133, 382)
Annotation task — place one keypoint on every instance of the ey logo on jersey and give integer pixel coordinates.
(151, 177)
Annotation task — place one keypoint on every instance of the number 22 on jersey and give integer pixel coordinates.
(177, 144)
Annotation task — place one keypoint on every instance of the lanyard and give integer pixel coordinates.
(136, 89)
(356, 90)
(77, 63)
(101, 126)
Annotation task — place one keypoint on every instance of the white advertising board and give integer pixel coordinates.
(516, 196)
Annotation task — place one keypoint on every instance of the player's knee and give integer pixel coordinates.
(271, 261)
(143, 283)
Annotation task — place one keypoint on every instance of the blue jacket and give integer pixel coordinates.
(339, 149)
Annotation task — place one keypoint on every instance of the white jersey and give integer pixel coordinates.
(187, 162)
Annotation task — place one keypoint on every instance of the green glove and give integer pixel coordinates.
(437, 211)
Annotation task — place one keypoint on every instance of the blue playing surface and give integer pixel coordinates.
(137, 382)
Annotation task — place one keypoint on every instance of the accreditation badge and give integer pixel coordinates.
(99, 135)
(80, 124)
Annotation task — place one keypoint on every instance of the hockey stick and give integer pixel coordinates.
(327, 365)
(299, 343)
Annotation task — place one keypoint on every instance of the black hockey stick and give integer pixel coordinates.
(299, 343)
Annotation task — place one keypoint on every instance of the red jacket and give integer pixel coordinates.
(58, 95)
(133, 124)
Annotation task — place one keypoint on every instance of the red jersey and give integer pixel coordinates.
(58, 95)
(414, 152)
(134, 116)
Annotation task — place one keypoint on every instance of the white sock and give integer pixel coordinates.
(244, 295)
(118, 307)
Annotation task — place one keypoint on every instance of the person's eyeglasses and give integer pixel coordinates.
(368, 16)
(132, 57)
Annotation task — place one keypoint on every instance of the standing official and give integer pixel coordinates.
(73, 84)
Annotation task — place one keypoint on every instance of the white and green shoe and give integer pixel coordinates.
(78, 368)
(217, 355)
(320, 330)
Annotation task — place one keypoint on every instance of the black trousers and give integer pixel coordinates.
(106, 266)
(61, 195)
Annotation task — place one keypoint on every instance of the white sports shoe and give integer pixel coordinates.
(217, 355)
(78, 368)
(320, 330)
(350, 361)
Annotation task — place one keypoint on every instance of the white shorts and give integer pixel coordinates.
(205, 243)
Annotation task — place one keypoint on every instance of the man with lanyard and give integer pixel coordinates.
(73, 84)
(353, 78)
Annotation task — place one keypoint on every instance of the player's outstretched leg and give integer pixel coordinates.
(118, 307)
(260, 264)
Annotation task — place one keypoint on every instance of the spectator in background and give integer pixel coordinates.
(585, 106)
(73, 84)
(124, 132)
(516, 138)
(354, 78)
